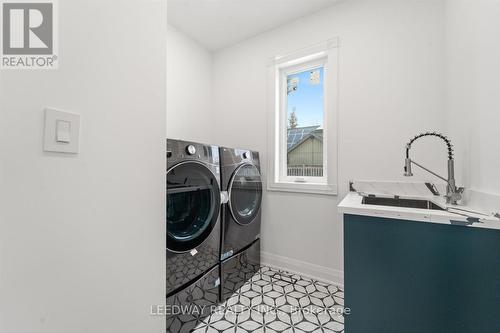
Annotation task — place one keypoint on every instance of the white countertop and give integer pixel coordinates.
(352, 204)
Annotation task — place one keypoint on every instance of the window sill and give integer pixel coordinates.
(308, 188)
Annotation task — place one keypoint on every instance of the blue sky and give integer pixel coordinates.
(307, 100)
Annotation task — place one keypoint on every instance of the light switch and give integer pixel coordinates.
(62, 131)
(63, 128)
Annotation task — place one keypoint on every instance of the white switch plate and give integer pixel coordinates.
(70, 142)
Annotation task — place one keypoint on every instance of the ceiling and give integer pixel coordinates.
(220, 23)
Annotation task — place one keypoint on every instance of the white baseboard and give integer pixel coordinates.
(303, 268)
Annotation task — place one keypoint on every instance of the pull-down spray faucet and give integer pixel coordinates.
(453, 193)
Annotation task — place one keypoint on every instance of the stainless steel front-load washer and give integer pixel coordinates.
(193, 223)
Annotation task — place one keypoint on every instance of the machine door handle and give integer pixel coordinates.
(224, 197)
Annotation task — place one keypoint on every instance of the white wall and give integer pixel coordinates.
(82, 237)
(473, 89)
(391, 87)
(189, 89)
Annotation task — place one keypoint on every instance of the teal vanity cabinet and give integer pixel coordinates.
(420, 277)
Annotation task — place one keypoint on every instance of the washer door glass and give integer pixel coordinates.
(245, 193)
(193, 203)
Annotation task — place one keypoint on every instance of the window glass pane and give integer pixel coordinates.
(304, 108)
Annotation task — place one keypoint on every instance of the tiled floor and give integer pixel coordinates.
(275, 301)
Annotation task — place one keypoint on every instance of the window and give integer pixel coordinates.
(303, 121)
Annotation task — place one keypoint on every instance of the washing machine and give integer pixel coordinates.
(241, 216)
(193, 218)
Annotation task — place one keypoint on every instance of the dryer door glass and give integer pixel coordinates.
(193, 203)
(245, 193)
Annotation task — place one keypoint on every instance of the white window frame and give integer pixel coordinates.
(322, 55)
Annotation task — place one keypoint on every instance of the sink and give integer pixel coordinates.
(400, 202)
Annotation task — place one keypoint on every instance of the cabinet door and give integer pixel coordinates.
(407, 276)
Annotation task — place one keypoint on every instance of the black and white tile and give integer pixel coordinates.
(276, 301)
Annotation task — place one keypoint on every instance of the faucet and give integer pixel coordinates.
(453, 193)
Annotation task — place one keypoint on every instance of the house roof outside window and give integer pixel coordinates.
(296, 136)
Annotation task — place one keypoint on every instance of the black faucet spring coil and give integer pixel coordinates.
(439, 135)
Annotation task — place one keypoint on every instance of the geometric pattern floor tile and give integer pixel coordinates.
(276, 301)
